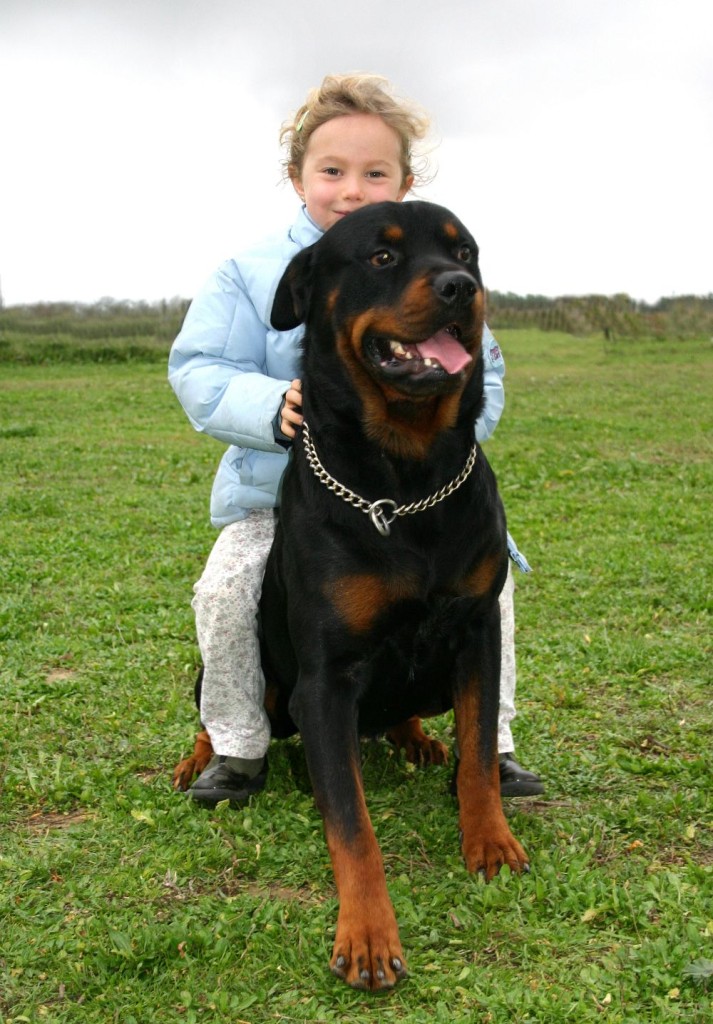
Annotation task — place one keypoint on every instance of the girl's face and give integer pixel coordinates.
(350, 161)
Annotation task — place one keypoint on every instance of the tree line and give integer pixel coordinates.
(116, 331)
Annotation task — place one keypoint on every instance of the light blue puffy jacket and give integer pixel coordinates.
(230, 370)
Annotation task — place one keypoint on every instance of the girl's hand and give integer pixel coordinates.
(291, 417)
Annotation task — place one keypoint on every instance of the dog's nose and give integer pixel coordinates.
(455, 287)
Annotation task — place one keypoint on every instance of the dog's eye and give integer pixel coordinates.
(381, 258)
(465, 253)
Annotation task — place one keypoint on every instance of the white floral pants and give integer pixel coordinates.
(225, 605)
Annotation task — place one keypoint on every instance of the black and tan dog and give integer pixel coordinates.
(380, 600)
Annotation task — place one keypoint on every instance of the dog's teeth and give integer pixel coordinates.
(397, 348)
(409, 354)
(429, 362)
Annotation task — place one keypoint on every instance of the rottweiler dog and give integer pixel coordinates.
(380, 599)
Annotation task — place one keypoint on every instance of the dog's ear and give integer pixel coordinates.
(289, 307)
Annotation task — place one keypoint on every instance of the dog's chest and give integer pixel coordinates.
(411, 665)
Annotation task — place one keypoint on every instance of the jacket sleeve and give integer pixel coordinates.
(493, 386)
(218, 365)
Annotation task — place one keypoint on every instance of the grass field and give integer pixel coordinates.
(121, 902)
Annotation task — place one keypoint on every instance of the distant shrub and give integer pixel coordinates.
(615, 316)
(106, 331)
(117, 332)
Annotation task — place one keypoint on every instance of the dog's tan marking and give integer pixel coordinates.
(480, 580)
(360, 597)
(331, 300)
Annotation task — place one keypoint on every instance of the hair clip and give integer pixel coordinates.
(301, 123)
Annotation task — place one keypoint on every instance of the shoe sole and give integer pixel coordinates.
(522, 789)
(236, 798)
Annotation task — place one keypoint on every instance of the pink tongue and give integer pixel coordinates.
(446, 350)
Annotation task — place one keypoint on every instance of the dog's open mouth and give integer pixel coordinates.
(440, 354)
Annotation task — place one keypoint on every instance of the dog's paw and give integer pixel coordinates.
(367, 951)
(418, 748)
(488, 852)
(186, 770)
(183, 773)
(430, 751)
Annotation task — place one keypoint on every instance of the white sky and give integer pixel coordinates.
(139, 137)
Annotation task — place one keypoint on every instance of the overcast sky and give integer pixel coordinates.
(139, 139)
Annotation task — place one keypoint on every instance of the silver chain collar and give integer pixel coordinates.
(382, 512)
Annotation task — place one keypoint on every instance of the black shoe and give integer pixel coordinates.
(221, 782)
(515, 780)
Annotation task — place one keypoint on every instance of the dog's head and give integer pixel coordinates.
(393, 291)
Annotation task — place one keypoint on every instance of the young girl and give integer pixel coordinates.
(349, 145)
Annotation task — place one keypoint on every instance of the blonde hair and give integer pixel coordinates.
(356, 94)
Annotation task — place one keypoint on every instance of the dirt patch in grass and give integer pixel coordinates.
(47, 821)
(287, 894)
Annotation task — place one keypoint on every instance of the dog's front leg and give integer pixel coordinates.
(367, 950)
(487, 840)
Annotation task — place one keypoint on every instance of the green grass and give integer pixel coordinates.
(119, 901)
